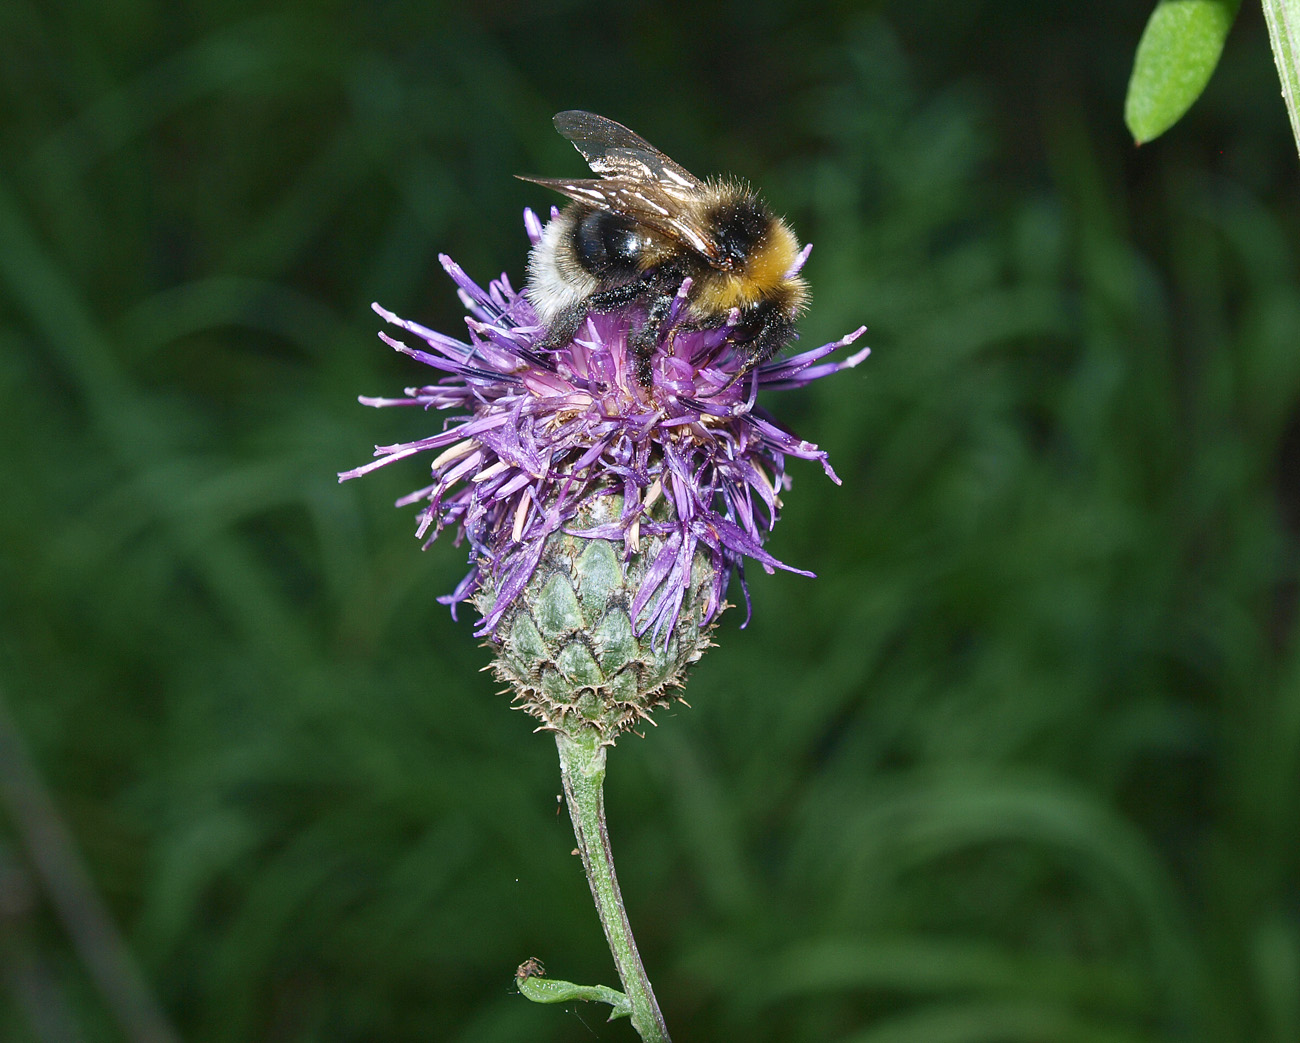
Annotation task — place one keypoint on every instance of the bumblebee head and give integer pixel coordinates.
(740, 222)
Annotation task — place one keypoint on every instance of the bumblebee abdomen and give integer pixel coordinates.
(556, 277)
(606, 244)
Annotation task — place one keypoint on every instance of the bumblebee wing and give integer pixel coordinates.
(673, 214)
(613, 151)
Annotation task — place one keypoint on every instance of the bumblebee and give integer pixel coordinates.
(635, 233)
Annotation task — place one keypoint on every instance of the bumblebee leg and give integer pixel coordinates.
(646, 339)
(619, 296)
(564, 327)
(773, 333)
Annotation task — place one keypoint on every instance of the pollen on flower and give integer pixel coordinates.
(687, 471)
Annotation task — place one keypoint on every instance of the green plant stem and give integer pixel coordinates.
(72, 893)
(1283, 17)
(582, 766)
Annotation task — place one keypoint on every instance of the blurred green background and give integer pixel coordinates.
(1022, 766)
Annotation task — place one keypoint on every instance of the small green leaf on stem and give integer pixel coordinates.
(551, 990)
(1176, 56)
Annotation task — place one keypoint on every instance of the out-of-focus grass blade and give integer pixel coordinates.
(918, 965)
(976, 1021)
(1175, 58)
(1276, 956)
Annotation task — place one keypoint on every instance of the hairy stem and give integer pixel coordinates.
(582, 765)
(1283, 17)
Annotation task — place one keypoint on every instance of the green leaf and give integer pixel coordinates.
(540, 989)
(1175, 58)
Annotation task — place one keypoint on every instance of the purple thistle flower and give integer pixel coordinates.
(531, 434)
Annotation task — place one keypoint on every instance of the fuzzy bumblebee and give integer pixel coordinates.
(633, 235)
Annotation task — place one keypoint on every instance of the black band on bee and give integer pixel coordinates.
(739, 225)
(607, 244)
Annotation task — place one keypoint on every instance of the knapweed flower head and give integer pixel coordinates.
(564, 467)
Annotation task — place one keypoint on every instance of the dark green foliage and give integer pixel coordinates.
(1022, 765)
